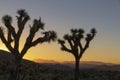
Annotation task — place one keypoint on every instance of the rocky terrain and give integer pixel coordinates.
(58, 71)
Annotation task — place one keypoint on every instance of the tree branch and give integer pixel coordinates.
(9, 37)
(80, 46)
(63, 47)
(39, 40)
(11, 29)
(7, 44)
(83, 50)
(70, 43)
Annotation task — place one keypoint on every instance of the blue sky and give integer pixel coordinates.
(62, 15)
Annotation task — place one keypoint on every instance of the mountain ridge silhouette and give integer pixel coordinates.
(6, 57)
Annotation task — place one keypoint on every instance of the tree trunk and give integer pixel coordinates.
(76, 77)
(14, 75)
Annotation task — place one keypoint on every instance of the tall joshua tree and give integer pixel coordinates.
(12, 39)
(76, 48)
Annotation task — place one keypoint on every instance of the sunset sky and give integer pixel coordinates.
(61, 16)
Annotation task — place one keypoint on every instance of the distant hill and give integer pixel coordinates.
(83, 64)
(44, 61)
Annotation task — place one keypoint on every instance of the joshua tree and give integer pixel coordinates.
(76, 48)
(13, 35)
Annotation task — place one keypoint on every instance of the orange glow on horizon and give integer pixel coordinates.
(47, 51)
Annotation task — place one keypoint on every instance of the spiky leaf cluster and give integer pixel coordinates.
(37, 24)
(91, 35)
(22, 14)
(7, 19)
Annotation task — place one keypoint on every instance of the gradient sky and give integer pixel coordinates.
(62, 15)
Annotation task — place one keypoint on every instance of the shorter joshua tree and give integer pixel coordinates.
(76, 47)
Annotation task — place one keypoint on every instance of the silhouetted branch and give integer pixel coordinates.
(63, 47)
(7, 21)
(7, 44)
(80, 46)
(9, 37)
(84, 49)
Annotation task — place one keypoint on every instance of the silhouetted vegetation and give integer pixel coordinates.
(14, 67)
(34, 71)
(12, 38)
(76, 47)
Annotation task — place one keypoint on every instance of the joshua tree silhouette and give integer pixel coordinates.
(76, 47)
(12, 40)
